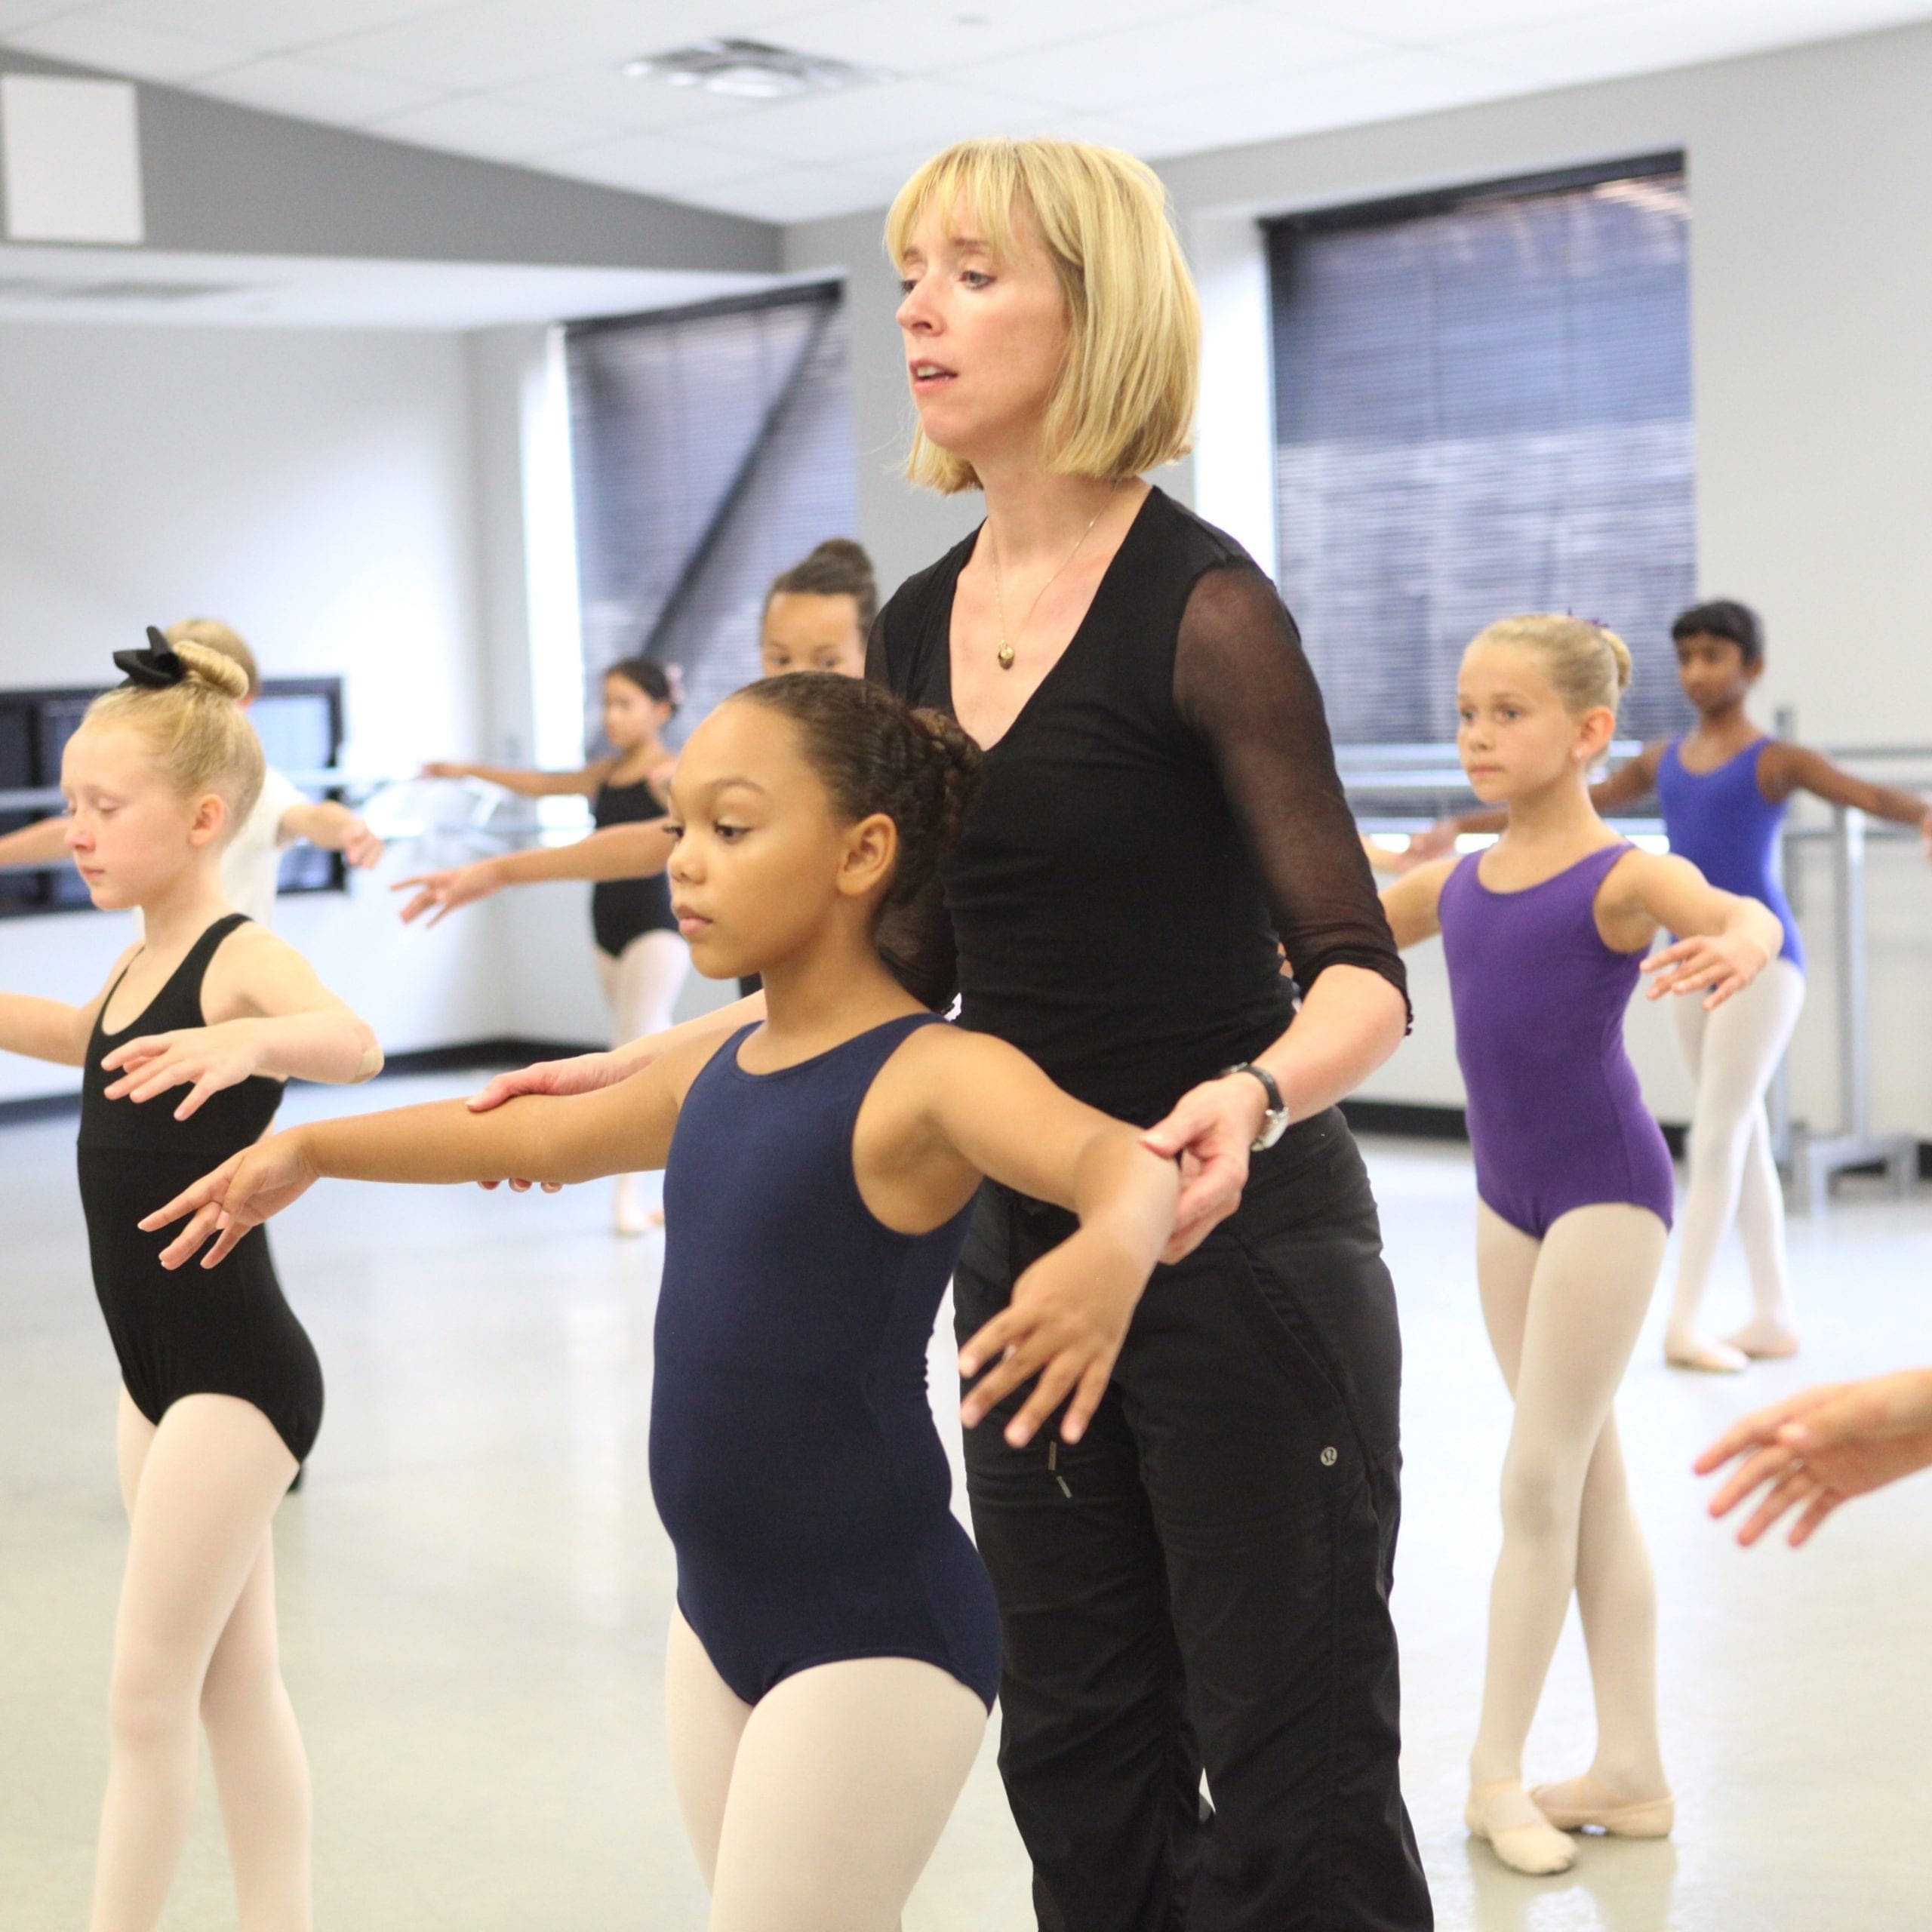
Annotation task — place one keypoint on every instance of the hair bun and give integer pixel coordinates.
(211, 668)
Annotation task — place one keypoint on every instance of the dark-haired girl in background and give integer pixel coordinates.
(817, 614)
(1723, 786)
(641, 960)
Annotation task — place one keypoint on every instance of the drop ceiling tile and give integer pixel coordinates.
(953, 33)
(1427, 22)
(312, 91)
(266, 26)
(828, 128)
(495, 130)
(656, 164)
(1646, 38)
(1389, 85)
(497, 43)
(602, 91)
(118, 47)
(24, 13)
(1210, 48)
(792, 194)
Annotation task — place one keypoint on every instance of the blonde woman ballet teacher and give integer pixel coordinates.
(1201, 1583)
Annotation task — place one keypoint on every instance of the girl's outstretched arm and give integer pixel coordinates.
(49, 1028)
(1794, 768)
(1726, 940)
(616, 851)
(1410, 902)
(1001, 1117)
(526, 783)
(269, 1015)
(618, 1130)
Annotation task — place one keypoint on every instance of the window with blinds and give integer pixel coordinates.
(710, 448)
(1482, 406)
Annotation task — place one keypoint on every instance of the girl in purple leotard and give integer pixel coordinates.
(1543, 934)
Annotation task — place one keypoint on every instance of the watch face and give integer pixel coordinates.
(1274, 1124)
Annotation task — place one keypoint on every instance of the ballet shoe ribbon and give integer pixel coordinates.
(154, 668)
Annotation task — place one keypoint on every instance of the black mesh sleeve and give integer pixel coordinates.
(1243, 683)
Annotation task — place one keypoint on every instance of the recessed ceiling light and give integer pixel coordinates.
(752, 69)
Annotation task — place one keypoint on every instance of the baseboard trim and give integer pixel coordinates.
(465, 1056)
(1415, 1120)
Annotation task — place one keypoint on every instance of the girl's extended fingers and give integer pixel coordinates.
(1059, 1376)
(1022, 1360)
(1086, 1400)
(1820, 1507)
(989, 1341)
(1770, 1463)
(181, 1249)
(207, 1084)
(231, 1233)
(1795, 1488)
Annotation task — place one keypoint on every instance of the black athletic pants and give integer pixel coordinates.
(1202, 1583)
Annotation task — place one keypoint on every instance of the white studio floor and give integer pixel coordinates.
(474, 1586)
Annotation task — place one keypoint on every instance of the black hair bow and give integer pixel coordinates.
(154, 668)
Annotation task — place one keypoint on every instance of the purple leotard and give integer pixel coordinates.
(1556, 1118)
(1723, 823)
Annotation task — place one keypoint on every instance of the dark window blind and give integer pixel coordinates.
(1482, 406)
(711, 448)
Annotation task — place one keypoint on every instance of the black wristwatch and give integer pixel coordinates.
(1274, 1121)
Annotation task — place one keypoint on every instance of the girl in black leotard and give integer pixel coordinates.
(641, 960)
(221, 1393)
(837, 1646)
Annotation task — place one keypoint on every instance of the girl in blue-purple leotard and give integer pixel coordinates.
(1543, 934)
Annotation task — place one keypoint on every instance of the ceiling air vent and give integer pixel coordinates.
(751, 69)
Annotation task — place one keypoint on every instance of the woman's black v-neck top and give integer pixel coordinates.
(1164, 810)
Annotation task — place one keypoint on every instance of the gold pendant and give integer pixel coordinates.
(1006, 658)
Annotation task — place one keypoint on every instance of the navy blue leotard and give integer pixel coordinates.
(793, 1455)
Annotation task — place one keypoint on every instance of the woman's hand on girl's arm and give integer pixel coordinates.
(1351, 1020)
(1821, 1448)
(1069, 1312)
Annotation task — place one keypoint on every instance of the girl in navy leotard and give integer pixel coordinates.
(1543, 935)
(221, 1392)
(835, 1648)
(641, 961)
(1723, 788)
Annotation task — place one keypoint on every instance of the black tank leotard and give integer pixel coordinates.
(793, 1456)
(226, 1331)
(621, 909)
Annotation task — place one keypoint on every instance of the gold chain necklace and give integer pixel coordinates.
(999, 601)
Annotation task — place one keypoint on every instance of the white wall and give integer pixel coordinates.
(317, 490)
(1810, 180)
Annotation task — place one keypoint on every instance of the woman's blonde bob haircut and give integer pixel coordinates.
(1125, 399)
